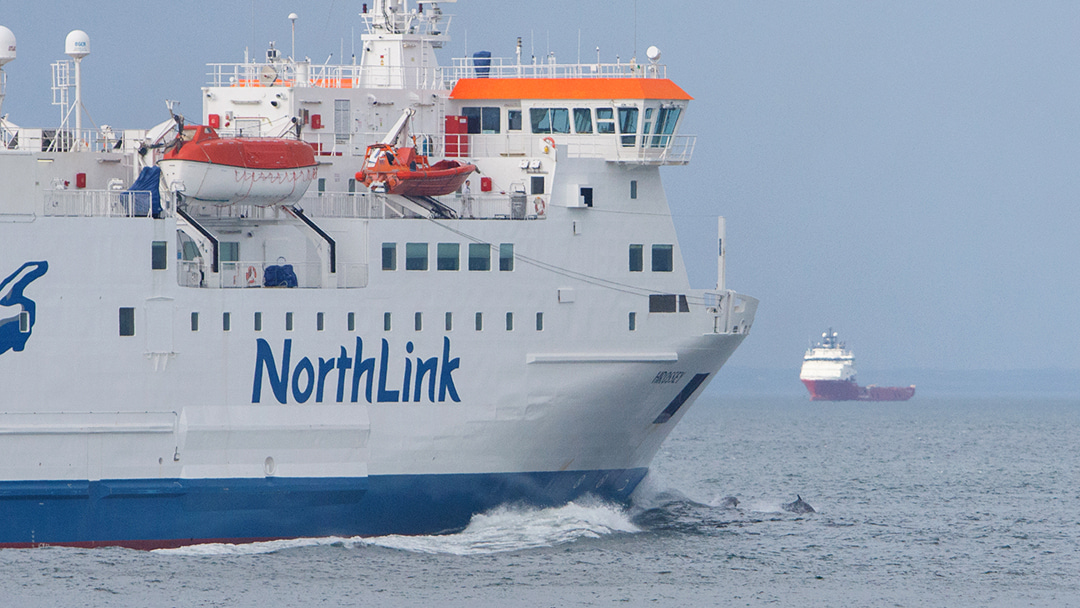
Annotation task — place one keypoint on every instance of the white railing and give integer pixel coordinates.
(100, 203)
(252, 274)
(465, 67)
(647, 149)
(62, 140)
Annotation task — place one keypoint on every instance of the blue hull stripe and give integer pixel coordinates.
(148, 513)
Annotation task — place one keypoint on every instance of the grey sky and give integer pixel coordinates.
(904, 172)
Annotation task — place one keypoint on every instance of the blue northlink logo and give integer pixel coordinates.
(345, 373)
(15, 330)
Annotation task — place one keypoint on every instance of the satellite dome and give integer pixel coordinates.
(77, 44)
(7, 45)
(653, 54)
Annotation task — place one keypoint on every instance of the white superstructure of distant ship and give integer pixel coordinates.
(290, 317)
(828, 372)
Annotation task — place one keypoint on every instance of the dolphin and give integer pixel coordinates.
(13, 335)
(729, 502)
(799, 506)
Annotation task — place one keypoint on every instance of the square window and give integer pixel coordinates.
(479, 256)
(661, 258)
(416, 257)
(226, 321)
(448, 256)
(352, 321)
(509, 321)
(389, 256)
(159, 255)
(605, 120)
(506, 256)
(386, 321)
(258, 321)
(229, 251)
(449, 321)
(479, 321)
(194, 321)
(537, 184)
(127, 321)
(637, 255)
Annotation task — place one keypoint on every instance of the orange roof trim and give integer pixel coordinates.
(567, 88)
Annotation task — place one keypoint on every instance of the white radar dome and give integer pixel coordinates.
(7, 45)
(77, 44)
(653, 54)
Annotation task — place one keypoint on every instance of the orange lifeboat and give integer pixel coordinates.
(403, 171)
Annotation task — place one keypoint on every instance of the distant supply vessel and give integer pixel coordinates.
(828, 371)
(256, 324)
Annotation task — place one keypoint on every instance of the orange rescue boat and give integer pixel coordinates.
(402, 171)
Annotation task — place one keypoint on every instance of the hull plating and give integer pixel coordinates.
(846, 390)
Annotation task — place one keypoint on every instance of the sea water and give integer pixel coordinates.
(932, 502)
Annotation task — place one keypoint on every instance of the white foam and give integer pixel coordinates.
(501, 529)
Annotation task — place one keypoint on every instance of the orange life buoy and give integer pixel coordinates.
(550, 142)
(539, 206)
(252, 275)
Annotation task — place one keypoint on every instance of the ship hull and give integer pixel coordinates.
(163, 513)
(846, 390)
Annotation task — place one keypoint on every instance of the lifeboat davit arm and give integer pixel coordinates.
(399, 128)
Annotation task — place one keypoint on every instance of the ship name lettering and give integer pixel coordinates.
(668, 377)
(308, 378)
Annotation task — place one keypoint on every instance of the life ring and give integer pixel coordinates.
(550, 143)
(539, 206)
(252, 275)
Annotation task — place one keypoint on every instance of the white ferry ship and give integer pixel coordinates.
(236, 328)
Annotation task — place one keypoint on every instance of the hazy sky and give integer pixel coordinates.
(906, 172)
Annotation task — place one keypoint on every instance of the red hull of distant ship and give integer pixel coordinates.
(846, 390)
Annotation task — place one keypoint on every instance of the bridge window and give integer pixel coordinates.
(648, 123)
(605, 120)
(628, 125)
(665, 126)
(416, 257)
(479, 256)
(483, 120)
(448, 256)
(582, 120)
(550, 120)
(661, 258)
(513, 120)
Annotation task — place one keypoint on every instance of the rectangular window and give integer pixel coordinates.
(159, 255)
(479, 256)
(662, 303)
(684, 305)
(127, 321)
(665, 126)
(550, 120)
(586, 196)
(646, 124)
(288, 321)
(229, 251)
(418, 321)
(449, 321)
(628, 126)
(633, 188)
(506, 256)
(448, 256)
(24, 322)
(472, 116)
(636, 258)
(490, 119)
(539, 321)
(194, 321)
(582, 120)
(389, 256)
(605, 120)
(661, 258)
(536, 184)
(226, 321)
(258, 321)
(386, 321)
(352, 321)
(513, 120)
(341, 120)
(479, 321)
(416, 257)
(633, 321)
(319, 321)
(509, 321)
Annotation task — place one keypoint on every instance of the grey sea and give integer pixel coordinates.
(933, 502)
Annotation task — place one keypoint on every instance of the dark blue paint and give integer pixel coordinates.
(10, 336)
